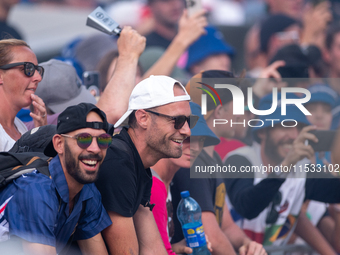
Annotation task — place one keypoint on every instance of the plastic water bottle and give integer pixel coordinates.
(189, 214)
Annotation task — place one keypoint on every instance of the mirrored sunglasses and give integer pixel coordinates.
(84, 140)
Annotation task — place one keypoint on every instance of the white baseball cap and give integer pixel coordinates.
(151, 92)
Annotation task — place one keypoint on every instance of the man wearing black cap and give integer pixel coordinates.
(277, 31)
(44, 212)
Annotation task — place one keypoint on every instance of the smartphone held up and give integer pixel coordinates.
(91, 81)
(193, 6)
(325, 140)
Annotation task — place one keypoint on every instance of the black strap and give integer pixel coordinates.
(14, 165)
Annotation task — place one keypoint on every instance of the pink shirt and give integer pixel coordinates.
(158, 197)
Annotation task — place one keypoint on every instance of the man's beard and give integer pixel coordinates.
(73, 169)
(162, 145)
(271, 149)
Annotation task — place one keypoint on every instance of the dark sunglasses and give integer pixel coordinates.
(84, 140)
(29, 68)
(179, 120)
(273, 215)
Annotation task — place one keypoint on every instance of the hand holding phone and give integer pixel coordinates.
(193, 6)
(91, 82)
(326, 139)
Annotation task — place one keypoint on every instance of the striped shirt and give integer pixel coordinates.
(31, 209)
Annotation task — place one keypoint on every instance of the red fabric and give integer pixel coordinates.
(158, 197)
(145, 12)
(257, 237)
(226, 146)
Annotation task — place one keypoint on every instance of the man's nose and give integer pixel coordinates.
(185, 130)
(94, 147)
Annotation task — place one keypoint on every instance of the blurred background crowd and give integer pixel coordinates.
(53, 27)
(250, 38)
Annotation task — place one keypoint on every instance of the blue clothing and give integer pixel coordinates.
(320, 156)
(37, 214)
(24, 115)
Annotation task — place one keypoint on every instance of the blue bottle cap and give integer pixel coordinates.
(185, 194)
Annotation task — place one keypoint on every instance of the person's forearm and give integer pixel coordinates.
(114, 100)
(166, 63)
(219, 241)
(149, 238)
(37, 248)
(250, 200)
(312, 236)
(221, 244)
(336, 236)
(94, 245)
(236, 236)
(121, 237)
(190, 29)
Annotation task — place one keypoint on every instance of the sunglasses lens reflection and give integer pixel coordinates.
(84, 140)
(104, 141)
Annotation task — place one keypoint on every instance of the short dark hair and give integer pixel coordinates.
(132, 122)
(226, 95)
(331, 33)
(103, 67)
(272, 25)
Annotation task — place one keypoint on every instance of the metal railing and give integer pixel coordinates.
(296, 249)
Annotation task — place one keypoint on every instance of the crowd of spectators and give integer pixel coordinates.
(170, 102)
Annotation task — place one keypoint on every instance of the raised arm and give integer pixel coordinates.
(115, 98)
(190, 29)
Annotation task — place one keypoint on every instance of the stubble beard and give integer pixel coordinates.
(73, 169)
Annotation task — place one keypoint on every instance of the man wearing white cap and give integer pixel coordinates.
(159, 122)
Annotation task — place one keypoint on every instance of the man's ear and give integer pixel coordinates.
(327, 56)
(195, 69)
(218, 112)
(142, 118)
(58, 144)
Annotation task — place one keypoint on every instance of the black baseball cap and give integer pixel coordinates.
(296, 61)
(35, 140)
(74, 118)
(274, 24)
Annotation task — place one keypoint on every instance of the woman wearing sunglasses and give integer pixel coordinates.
(19, 78)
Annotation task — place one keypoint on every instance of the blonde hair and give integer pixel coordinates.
(5, 49)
